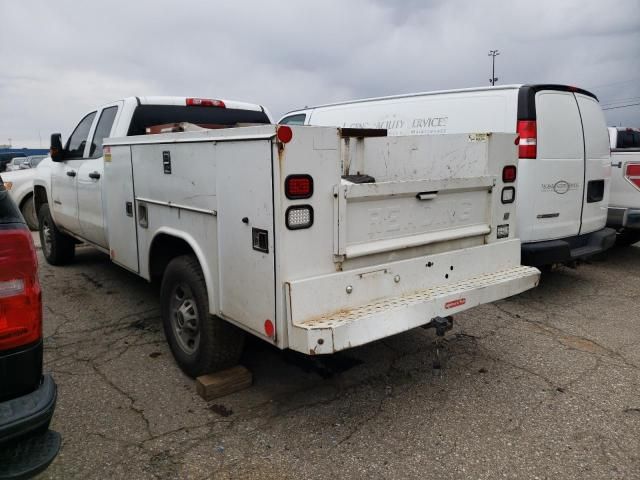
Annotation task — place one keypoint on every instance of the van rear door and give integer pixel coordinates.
(553, 182)
(597, 164)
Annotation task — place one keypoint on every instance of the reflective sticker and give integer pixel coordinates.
(455, 303)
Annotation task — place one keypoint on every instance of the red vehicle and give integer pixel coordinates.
(27, 397)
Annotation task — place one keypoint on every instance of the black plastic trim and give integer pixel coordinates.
(527, 97)
(20, 370)
(567, 249)
(23, 415)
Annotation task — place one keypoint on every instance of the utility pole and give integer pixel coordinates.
(493, 54)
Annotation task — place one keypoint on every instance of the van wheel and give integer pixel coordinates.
(58, 248)
(199, 342)
(29, 213)
(628, 237)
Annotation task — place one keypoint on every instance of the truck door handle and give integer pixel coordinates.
(94, 175)
(71, 173)
(619, 164)
(129, 209)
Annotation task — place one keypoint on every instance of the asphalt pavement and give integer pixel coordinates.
(542, 385)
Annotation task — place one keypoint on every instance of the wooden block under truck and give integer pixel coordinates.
(316, 239)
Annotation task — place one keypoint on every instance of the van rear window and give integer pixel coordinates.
(150, 115)
(628, 139)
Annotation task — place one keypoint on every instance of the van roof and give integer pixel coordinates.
(534, 87)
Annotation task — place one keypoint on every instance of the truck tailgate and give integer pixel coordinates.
(418, 191)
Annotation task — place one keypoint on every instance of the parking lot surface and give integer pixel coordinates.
(543, 385)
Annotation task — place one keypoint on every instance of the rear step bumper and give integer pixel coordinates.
(372, 321)
(568, 249)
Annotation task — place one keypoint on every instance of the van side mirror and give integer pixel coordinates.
(56, 151)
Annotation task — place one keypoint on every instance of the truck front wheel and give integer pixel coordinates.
(58, 248)
(199, 342)
(29, 213)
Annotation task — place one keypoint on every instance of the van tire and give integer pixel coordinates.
(57, 248)
(200, 343)
(28, 211)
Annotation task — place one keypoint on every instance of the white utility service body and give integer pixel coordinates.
(624, 204)
(564, 164)
(347, 262)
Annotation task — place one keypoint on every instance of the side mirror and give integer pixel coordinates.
(56, 151)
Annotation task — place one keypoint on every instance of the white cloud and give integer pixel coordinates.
(59, 59)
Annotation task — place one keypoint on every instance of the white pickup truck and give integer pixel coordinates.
(624, 202)
(316, 239)
(19, 183)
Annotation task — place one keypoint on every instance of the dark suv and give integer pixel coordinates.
(27, 398)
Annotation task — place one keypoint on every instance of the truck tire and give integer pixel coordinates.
(200, 343)
(57, 248)
(29, 213)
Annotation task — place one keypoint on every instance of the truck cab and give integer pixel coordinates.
(73, 177)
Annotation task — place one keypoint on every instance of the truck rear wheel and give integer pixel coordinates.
(199, 342)
(58, 248)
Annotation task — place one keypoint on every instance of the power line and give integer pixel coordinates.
(593, 87)
(622, 106)
(620, 100)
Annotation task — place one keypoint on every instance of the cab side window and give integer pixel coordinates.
(78, 139)
(103, 130)
(293, 119)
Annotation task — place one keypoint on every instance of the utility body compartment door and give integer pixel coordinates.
(246, 243)
(120, 204)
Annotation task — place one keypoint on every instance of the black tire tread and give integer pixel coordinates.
(63, 247)
(30, 217)
(221, 343)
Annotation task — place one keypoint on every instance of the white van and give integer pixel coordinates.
(564, 159)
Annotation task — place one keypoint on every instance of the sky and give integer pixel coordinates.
(59, 59)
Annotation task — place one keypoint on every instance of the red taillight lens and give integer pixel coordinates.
(528, 139)
(632, 173)
(297, 187)
(205, 102)
(20, 300)
(509, 174)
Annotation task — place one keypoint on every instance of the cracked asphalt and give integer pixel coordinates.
(543, 385)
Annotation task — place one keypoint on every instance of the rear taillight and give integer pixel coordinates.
(528, 139)
(509, 174)
(20, 299)
(205, 102)
(297, 187)
(632, 173)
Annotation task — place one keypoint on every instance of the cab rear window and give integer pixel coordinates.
(628, 139)
(150, 115)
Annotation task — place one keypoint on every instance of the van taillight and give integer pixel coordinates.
(20, 298)
(297, 187)
(528, 139)
(205, 102)
(632, 173)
